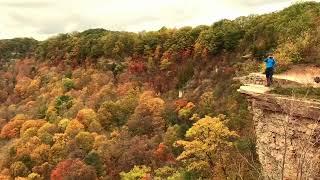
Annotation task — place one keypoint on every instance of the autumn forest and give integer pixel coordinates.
(163, 104)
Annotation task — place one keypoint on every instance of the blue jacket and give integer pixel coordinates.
(270, 62)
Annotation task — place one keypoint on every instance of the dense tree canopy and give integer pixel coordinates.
(102, 104)
(256, 34)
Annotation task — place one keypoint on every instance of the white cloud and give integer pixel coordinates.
(42, 18)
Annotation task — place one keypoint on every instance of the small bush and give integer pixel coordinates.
(68, 84)
(18, 169)
(63, 103)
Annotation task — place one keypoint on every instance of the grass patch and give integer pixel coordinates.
(301, 92)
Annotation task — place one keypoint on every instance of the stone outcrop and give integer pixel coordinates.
(288, 133)
(259, 79)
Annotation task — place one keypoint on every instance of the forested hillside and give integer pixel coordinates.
(102, 104)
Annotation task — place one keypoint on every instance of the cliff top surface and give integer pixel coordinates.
(298, 78)
(254, 89)
(267, 98)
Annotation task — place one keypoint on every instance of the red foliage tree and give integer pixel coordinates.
(137, 67)
(167, 55)
(180, 103)
(73, 169)
(163, 153)
(185, 54)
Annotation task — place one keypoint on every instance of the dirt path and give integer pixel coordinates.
(302, 74)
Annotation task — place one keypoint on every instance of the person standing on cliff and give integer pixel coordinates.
(270, 64)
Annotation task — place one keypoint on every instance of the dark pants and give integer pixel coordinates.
(269, 74)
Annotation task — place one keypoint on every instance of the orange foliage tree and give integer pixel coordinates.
(147, 118)
(12, 129)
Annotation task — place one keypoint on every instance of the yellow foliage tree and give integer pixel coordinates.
(149, 101)
(33, 86)
(40, 154)
(31, 124)
(85, 140)
(88, 118)
(73, 128)
(60, 148)
(209, 139)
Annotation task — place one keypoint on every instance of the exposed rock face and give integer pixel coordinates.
(288, 134)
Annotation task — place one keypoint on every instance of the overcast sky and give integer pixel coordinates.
(43, 18)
